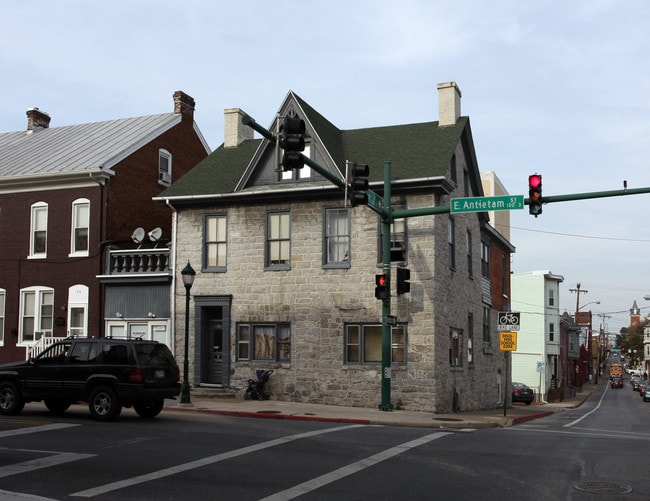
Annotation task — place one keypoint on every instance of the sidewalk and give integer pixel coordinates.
(273, 409)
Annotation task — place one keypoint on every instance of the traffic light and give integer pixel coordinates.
(535, 194)
(403, 277)
(359, 184)
(292, 141)
(382, 289)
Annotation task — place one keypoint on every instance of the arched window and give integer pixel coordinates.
(38, 233)
(80, 227)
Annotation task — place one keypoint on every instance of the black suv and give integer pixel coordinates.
(107, 373)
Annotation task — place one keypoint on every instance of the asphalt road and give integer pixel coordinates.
(598, 449)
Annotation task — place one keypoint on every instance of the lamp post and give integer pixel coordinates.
(188, 275)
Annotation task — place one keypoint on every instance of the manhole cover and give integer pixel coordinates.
(603, 487)
(269, 412)
(446, 419)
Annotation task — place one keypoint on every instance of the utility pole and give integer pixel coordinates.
(579, 291)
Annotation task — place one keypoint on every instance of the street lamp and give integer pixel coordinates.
(188, 275)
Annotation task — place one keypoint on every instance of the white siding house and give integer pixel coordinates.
(536, 295)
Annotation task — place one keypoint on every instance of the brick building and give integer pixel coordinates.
(71, 198)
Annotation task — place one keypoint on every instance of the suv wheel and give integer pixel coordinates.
(57, 406)
(103, 404)
(149, 408)
(11, 401)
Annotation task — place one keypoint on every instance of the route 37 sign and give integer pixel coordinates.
(508, 321)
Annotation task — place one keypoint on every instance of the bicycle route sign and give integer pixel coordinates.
(508, 321)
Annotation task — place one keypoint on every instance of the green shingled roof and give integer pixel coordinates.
(416, 151)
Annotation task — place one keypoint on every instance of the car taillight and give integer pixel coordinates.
(516, 391)
(135, 376)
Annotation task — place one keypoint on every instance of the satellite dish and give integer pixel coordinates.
(138, 235)
(154, 235)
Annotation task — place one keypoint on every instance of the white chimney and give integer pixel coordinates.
(235, 132)
(448, 103)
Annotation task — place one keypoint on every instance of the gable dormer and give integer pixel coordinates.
(323, 145)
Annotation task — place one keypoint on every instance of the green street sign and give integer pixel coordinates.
(482, 204)
(375, 201)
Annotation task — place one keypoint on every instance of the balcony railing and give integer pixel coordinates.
(137, 261)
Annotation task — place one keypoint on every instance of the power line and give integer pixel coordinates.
(582, 236)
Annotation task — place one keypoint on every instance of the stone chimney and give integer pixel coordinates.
(37, 120)
(183, 104)
(448, 103)
(235, 132)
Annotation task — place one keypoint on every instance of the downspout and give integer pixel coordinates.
(101, 181)
(172, 266)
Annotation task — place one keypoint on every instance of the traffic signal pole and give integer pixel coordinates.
(386, 357)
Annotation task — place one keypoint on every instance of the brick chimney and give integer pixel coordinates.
(183, 104)
(37, 120)
(235, 132)
(448, 103)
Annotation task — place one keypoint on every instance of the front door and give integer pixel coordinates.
(212, 355)
(215, 370)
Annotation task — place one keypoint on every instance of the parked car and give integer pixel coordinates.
(646, 396)
(107, 373)
(522, 393)
(636, 381)
(616, 382)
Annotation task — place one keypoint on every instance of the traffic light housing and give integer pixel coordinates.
(535, 194)
(292, 141)
(359, 184)
(403, 277)
(382, 287)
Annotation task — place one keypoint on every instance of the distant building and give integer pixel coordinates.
(536, 362)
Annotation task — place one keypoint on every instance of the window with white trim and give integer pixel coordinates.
(298, 174)
(36, 313)
(164, 167)
(38, 233)
(80, 227)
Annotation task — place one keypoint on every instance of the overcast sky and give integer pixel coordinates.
(554, 87)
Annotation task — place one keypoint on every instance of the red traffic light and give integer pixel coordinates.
(380, 280)
(382, 289)
(534, 181)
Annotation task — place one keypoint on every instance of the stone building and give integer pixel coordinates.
(286, 267)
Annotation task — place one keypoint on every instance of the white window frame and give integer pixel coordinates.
(164, 167)
(41, 327)
(78, 300)
(38, 223)
(80, 222)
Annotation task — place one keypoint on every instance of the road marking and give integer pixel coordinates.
(113, 486)
(573, 423)
(35, 429)
(36, 464)
(352, 468)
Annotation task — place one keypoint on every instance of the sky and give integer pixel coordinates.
(551, 87)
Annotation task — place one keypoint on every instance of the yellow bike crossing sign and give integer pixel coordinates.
(508, 341)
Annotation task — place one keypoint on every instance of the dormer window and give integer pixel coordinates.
(298, 174)
(164, 167)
